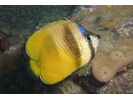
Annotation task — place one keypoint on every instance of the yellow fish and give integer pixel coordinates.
(60, 48)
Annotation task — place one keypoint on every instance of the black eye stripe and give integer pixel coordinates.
(92, 50)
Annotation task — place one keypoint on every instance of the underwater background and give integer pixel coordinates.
(113, 59)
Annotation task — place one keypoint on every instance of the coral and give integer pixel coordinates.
(87, 7)
(84, 71)
(122, 83)
(14, 40)
(114, 24)
(11, 56)
(8, 40)
(67, 87)
(4, 44)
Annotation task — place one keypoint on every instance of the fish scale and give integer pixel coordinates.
(54, 63)
(58, 49)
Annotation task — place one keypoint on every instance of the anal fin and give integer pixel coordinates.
(34, 67)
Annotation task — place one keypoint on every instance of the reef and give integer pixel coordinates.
(110, 71)
(114, 24)
(112, 64)
(16, 18)
(4, 44)
(121, 83)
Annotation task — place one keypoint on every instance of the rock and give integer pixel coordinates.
(115, 48)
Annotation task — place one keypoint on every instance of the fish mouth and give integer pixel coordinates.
(98, 36)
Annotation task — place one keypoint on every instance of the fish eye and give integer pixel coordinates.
(89, 38)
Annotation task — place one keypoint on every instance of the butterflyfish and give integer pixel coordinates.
(60, 48)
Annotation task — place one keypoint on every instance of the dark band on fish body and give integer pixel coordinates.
(72, 44)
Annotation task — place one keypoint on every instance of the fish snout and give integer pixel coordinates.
(98, 36)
